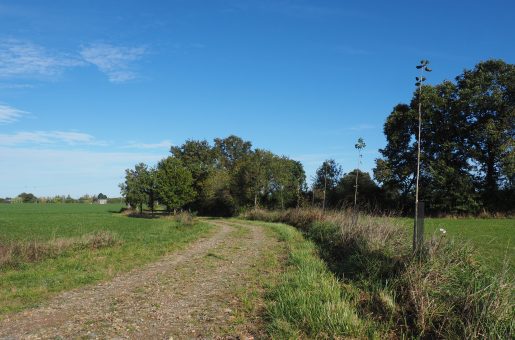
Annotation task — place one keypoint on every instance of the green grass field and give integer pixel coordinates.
(139, 241)
(492, 239)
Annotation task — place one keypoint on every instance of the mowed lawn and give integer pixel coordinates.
(493, 239)
(138, 241)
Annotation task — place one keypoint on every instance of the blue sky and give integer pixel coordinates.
(89, 88)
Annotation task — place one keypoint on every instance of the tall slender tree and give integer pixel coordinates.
(360, 145)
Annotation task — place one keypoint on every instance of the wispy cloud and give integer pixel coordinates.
(48, 137)
(25, 59)
(114, 61)
(10, 114)
(164, 144)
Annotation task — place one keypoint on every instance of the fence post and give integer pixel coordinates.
(418, 228)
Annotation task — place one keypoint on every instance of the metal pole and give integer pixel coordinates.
(357, 174)
(325, 187)
(415, 235)
(418, 228)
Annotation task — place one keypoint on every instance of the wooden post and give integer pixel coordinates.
(418, 228)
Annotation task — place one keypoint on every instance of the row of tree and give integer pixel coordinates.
(332, 188)
(27, 197)
(216, 179)
(467, 150)
(467, 160)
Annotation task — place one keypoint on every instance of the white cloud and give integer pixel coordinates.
(114, 61)
(24, 59)
(48, 137)
(161, 145)
(20, 58)
(9, 114)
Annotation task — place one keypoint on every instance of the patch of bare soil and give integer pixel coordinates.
(187, 294)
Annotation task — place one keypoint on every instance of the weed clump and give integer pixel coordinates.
(185, 218)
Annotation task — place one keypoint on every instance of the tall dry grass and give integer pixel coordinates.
(444, 294)
(14, 253)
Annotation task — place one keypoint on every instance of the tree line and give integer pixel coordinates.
(217, 179)
(467, 150)
(467, 161)
(27, 197)
(468, 140)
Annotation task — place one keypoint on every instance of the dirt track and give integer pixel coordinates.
(187, 294)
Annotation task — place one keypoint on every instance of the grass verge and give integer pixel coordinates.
(303, 298)
(445, 294)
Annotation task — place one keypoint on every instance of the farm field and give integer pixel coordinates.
(493, 239)
(86, 255)
(143, 268)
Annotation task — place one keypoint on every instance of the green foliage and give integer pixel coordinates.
(326, 179)
(136, 185)
(174, 184)
(27, 197)
(231, 150)
(328, 175)
(360, 145)
(252, 176)
(487, 97)
(370, 194)
(468, 128)
(217, 199)
(217, 180)
(396, 170)
(200, 159)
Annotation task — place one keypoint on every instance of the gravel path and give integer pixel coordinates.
(186, 294)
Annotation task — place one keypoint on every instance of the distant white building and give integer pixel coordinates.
(102, 201)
